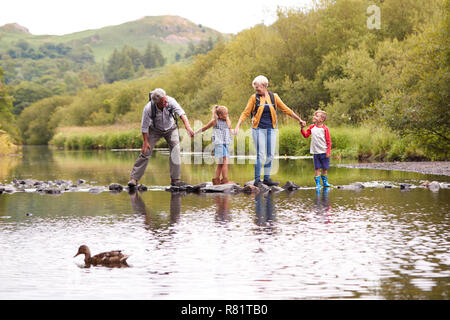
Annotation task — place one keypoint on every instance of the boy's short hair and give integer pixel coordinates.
(322, 113)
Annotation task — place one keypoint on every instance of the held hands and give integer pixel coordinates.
(302, 123)
(198, 131)
(190, 131)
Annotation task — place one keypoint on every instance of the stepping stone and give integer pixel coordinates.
(115, 187)
(290, 186)
(225, 188)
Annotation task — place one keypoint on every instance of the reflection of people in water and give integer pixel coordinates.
(139, 207)
(264, 209)
(223, 207)
(322, 203)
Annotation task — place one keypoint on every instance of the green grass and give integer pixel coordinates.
(362, 143)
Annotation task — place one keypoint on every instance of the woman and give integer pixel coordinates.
(262, 107)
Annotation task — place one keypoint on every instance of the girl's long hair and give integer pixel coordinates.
(216, 110)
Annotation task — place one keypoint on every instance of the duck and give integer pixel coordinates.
(110, 259)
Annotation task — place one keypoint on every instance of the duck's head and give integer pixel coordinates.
(83, 250)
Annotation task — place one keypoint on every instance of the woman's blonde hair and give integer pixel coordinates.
(216, 110)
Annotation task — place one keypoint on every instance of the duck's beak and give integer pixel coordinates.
(76, 254)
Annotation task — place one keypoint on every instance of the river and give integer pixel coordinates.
(373, 243)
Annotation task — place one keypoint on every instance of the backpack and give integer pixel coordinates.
(153, 110)
(255, 108)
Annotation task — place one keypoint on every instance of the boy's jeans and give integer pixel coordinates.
(264, 140)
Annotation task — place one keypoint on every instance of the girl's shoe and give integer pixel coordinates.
(325, 181)
(317, 180)
(224, 181)
(216, 181)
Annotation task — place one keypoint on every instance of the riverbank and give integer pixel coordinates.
(429, 167)
(6, 144)
(361, 143)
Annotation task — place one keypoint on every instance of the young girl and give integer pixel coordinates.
(221, 138)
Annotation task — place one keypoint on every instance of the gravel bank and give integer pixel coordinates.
(432, 167)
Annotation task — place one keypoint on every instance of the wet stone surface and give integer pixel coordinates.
(58, 187)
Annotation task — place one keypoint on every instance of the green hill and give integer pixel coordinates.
(171, 33)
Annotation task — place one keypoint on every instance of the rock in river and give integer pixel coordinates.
(115, 187)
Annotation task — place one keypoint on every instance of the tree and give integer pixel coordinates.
(26, 93)
(34, 122)
(7, 121)
(134, 55)
(354, 92)
(419, 103)
(158, 56)
(148, 58)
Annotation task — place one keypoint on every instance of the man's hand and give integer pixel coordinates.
(328, 155)
(190, 131)
(145, 146)
(302, 123)
(186, 125)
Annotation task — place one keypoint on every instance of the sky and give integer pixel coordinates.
(57, 17)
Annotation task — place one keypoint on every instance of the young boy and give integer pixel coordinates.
(320, 146)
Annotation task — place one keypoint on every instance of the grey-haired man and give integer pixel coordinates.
(156, 124)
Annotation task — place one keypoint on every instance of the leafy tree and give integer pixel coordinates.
(418, 104)
(148, 57)
(158, 56)
(134, 55)
(7, 121)
(82, 54)
(34, 120)
(26, 93)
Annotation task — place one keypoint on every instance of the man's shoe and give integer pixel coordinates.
(132, 183)
(270, 183)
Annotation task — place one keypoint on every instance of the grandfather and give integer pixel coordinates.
(158, 122)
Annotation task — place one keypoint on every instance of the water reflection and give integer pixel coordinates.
(222, 207)
(153, 219)
(264, 210)
(322, 204)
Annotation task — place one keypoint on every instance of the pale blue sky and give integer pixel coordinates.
(67, 16)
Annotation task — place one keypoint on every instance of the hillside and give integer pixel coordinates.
(39, 66)
(171, 33)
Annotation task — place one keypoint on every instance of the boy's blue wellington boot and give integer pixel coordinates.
(325, 181)
(317, 180)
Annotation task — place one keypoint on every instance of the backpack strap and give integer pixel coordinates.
(257, 103)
